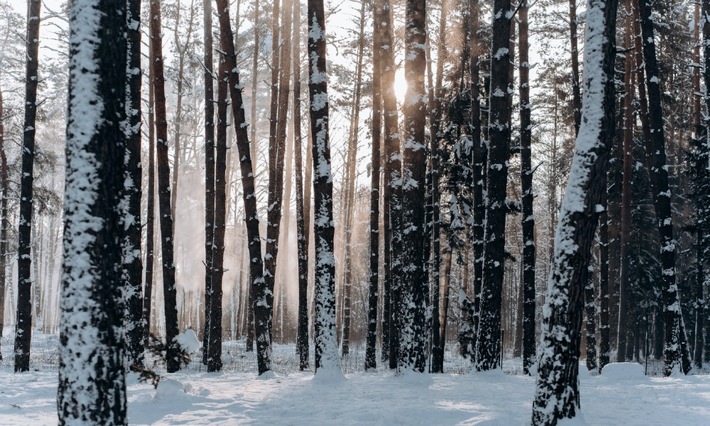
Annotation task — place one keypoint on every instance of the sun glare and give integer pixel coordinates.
(400, 86)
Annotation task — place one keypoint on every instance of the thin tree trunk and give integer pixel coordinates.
(254, 88)
(209, 173)
(132, 262)
(574, 52)
(214, 320)
(373, 291)
(526, 176)
(628, 135)
(301, 218)
(557, 387)
(488, 346)
(3, 217)
(675, 340)
(150, 213)
(23, 320)
(604, 344)
(166, 218)
(259, 296)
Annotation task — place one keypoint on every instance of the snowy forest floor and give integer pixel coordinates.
(237, 396)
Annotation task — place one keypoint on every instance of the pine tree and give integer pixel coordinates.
(92, 383)
(23, 324)
(557, 387)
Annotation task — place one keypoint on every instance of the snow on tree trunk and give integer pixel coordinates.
(488, 346)
(258, 290)
(414, 287)
(132, 262)
(92, 386)
(675, 352)
(327, 360)
(23, 322)
(557, 387)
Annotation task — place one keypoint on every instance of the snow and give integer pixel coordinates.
(238, 396)
(623, 371)
(188, 341)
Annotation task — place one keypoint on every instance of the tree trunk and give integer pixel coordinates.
(92, 375)
(4, 225)
(557, 388)
(675, 339)
(574, 51)
(259, 296)
(209, 174)
(281, 68)
(166, 218)
(604, 344)
(23, 320)
(325, 335)
(526, 176)
(488, 347)
(373, 291)
(214, 320)
(132, 262)
(628, 135)
(150, 212)
(301, 228)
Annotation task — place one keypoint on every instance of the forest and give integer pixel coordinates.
(400, 185)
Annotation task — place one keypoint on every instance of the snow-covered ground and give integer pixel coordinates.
(621, 396)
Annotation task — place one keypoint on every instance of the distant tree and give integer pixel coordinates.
(324, 298)
(166, 217)
(92, 382)
(23, 322)
(557, 386)
(3, 216)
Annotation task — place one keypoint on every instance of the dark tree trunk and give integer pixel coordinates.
(92, 375)
(392, 188)
(209, 174)
(132, 262)
(373, 291)
(150, 214)
(557, 388)
(480, 158)
(433, 239)
(23, 324)
(301, 217)
(277, 147)
(488, 347)
(627, 159)
(604, 344)
(698, 343)
(166, 218)
(590, 307)
(574, 51)
(4, 225)
(526, 176)
(258, 292)
(324, 300)
(675, 340)
(214, 360)
(414, 289)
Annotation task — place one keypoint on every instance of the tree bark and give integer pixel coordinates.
(557, 387)
(150, 213)
(209, 173)
(4, 225)
(23, 321)
(258, 288)
(325, 337)
(675, 340)
(92, 351)
(526, 176)
(132, 262)
(166, 218)
(574, 53)
(488, 346)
